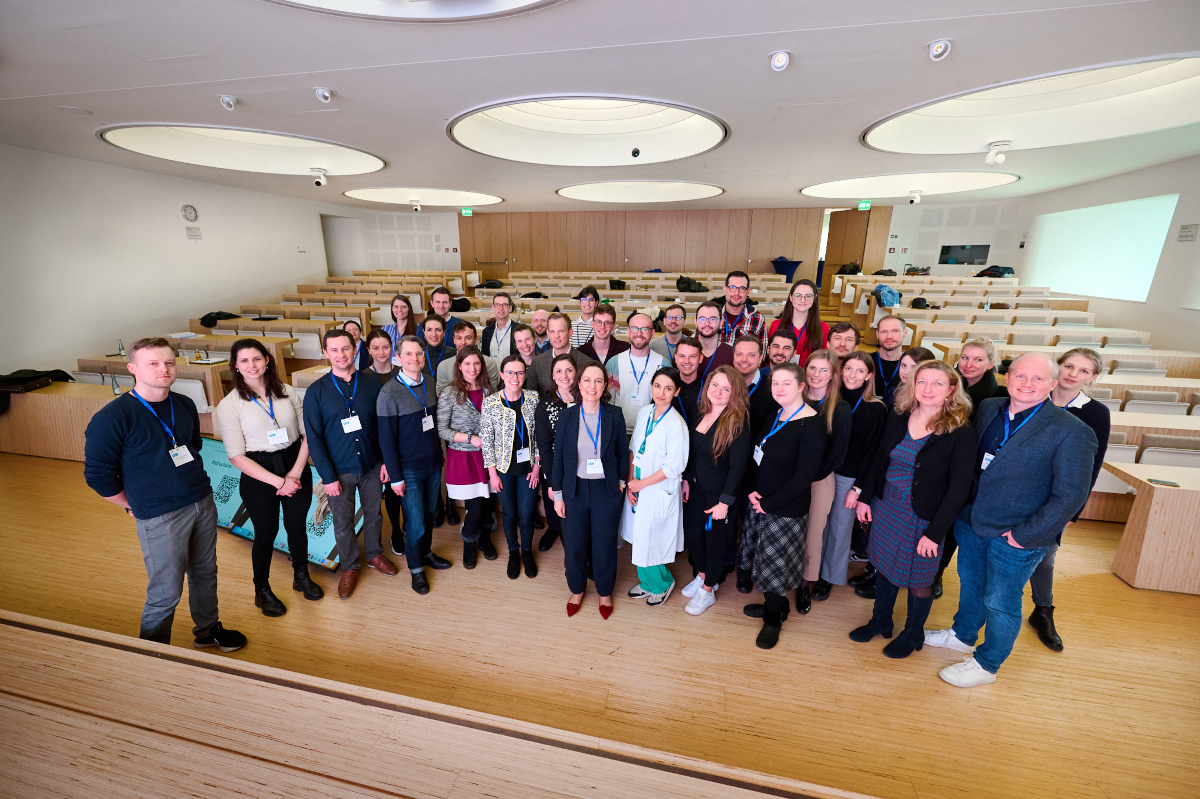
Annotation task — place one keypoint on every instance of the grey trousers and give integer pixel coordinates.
(182, 542)
(1041, 584)
(370, 494)
(835, 557)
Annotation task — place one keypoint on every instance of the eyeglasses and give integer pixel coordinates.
(675, 318)
(514, 374)
(599, 323)
(804, 296)
(501, 305)
(738, 289)
(712, 319)
(640, 329)
(586, 299)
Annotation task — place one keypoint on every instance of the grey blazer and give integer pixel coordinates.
(1038, 480)
(455, 417)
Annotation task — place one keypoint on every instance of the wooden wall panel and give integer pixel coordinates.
(491, 244)
(614, 241)
(783, 236)
(716, 242)
(807, 244)
(519, 243)
(695, 240)
(762, 228)
(876, 241)
(655, 240)
(466, 242)
(737, 242)
(577, 241)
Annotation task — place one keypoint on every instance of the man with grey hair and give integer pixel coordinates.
(1033, 471)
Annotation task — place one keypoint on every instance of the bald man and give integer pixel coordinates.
(631, 371)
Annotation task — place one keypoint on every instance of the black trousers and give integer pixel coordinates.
(948, 548)
(263, 505)
(391, 505)
(477, 509)
(553, 522)
(706, 548)
(590, 528)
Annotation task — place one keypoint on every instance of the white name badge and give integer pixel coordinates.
(595, 466)
(279, 436)
(523, 455)
(426, 423)
(987, 459)
(758, 453)
(180, 455)
(639, 459)
(351, 423)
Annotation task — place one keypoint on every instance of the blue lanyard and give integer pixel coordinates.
(424, 394)
(517, 423)
(754, 387)
(860, 399)
(270, 410)
(670, 350)
(730, 328)
(170, 430)
(895, 371)
(1022, 424)
(353, 392)
(595, 438)
(645, 368)
(708, 523)
(651, 423)
(819, 404)
(441, 351)
(709, 366)
(538, 349)
(682, 412)
(497, 339)
(391, 370)
(776, 426)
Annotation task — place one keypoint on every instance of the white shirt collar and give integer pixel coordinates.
(401, 376)
(757, 377)
(1080, 400)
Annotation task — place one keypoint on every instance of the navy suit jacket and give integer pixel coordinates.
(1038, 480)
(614, 449)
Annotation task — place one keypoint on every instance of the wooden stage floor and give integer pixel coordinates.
(1115, 715)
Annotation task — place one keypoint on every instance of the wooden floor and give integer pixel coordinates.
(1115, 715)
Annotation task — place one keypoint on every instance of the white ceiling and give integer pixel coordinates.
(399, 85)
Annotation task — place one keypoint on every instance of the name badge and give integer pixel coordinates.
(426, 423)
(351, 423)
(279, 436)
(758, 453)
(523, 455)
(987, 459)
(638, 460)
(633, 397)
(595, 466)
(180, 455)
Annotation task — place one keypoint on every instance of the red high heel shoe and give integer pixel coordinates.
(606, 611)
(573, 607)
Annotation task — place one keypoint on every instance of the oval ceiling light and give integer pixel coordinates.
(588, 131)
(421, 10)
(640, 191)
(902, 185)
(241, 150)
(1070, 108)
(437, 197)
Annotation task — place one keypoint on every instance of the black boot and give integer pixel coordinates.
(469, 554)
(486, 547)
(881, 619)
(866, 576)
(303, 583)
(548, 539)
(265, 598)
(768, 636)
(745, 581)
(803, 600)
(937, 586)
(529, 563)
(452, 514)
(866, 589)
(913, 637)
(1042, 620)
(538, 524)
(439, 515)
(514, 564)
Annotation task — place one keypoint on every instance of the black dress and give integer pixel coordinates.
(711, 481)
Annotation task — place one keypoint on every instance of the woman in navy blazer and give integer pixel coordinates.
(591, 462)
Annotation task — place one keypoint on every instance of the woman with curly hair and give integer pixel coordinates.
(919, 481)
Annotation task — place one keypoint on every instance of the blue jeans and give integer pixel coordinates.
(517, 501)
(992, 575)
(421, 489)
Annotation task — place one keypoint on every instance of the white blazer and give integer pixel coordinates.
(656, 529)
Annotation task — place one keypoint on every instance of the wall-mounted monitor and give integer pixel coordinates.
(969, 254)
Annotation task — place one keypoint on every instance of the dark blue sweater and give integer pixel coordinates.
(333, 450)
(405, 445)
(128, 450)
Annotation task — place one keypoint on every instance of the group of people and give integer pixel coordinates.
(753, 447)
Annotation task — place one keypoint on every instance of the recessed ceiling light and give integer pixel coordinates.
(421, 10)
(640, 191)
(1069, 108)
(407, 196)
(241, 150)
(779, 60)
(587, 131)
(70, 109)
(904, 184)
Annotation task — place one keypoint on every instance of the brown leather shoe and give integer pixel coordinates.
(347, 583)
(382, 565)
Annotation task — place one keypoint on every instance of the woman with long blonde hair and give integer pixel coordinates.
(718, 451)
(927, 434)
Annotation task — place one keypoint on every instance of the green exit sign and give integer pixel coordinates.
(864, 205)
(469, 212)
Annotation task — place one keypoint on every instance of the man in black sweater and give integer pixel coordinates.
(143, 454)
(687, 359)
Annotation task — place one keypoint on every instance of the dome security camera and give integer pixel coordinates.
(416, 206)
(996, 153)
(319, 178)
(914, 198)
(636, 152)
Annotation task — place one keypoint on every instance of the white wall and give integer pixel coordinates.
(1176, 284)
(90, 253)
(918, 232)
(359, 239)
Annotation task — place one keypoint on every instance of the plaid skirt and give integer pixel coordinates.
(775, 545)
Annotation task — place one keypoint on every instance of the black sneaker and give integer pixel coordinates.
(227, 640)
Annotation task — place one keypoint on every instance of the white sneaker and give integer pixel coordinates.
(637, 592)
(658, 599)
(947, 640)
(967, 674)
(702, 601)
(691, 588)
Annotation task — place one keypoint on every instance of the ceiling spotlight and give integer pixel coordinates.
(996, 152)
(229, 102)
(319, 178)
(779, 60)
(939, 49)
(914, 198)
(323, 94)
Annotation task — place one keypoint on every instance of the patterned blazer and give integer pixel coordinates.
(498, 425)
(457, 417)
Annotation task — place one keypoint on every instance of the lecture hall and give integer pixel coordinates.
(648, 399)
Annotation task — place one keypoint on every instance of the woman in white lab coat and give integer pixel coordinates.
(652, 519)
